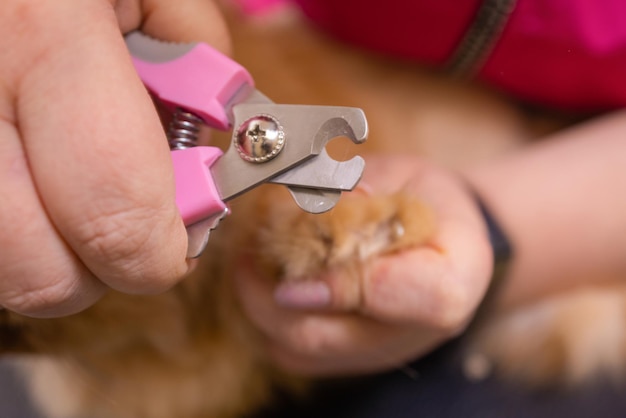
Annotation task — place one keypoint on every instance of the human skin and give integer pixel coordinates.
(562, 203)
(559, 201)
(86, 180)
(411, 301)
(74, 222)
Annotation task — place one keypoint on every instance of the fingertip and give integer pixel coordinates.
(194, 21)
(157, 267)
(134, 244)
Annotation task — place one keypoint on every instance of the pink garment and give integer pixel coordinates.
(564, 53)
(259, 7)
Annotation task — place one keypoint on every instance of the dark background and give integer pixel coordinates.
(431, 387)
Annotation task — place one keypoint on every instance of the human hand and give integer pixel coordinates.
(410, 301)
(86, 180)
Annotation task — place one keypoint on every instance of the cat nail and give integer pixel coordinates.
(303, 294)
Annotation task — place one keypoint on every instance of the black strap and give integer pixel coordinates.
(500, 244)
(502, 253)
(480, 38)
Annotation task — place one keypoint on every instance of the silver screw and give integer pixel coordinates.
(259, 139)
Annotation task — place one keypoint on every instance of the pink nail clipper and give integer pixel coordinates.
(275, 143)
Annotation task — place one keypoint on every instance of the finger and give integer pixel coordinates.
(442, 283)
(39, 274)
(437, 283)
(99, 157)
(422, 287)
(188, 21)
(322, 343)
(183, 21)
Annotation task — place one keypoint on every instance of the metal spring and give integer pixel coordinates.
(183, 130)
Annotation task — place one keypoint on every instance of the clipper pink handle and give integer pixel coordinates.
(197, 196)
(201, 80)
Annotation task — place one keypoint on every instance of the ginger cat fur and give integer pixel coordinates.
(192, 353)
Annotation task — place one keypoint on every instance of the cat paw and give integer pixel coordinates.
(295, 246)
(358, 228)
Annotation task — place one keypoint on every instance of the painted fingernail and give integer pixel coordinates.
(303, 294)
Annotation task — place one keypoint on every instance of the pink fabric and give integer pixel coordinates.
(564, 53)
(260, 7)
(567, 53)
(424, 30)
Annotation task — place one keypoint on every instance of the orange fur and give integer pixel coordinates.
(566, 340)
(192, 353)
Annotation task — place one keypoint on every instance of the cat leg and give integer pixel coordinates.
(566, 340)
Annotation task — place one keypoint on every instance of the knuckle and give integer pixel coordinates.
(114, 235)
(56, 296)
(126, 250)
